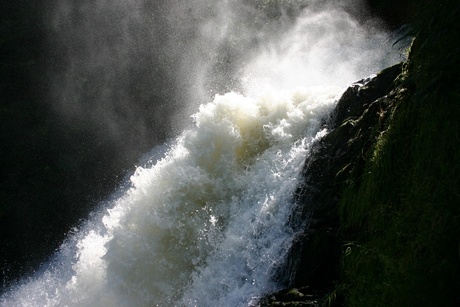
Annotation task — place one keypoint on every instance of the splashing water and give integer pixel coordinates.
(206, 223)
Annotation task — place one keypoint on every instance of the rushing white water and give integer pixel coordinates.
(205, 224)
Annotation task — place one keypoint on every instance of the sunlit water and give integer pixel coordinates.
(204, 222)
(207, 223)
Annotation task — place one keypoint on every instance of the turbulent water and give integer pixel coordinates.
(204, 222)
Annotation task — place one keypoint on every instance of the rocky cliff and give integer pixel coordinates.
(382, 188)
(358, 119)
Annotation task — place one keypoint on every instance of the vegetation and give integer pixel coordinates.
(400, 215)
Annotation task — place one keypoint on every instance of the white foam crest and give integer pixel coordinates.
(206, 223)
(257, 237)
(181, 209)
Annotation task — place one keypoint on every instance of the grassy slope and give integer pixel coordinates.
(401, 216)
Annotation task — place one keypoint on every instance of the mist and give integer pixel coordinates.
(134, 71)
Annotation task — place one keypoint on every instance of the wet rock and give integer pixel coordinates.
(305, 296)
(313, 264)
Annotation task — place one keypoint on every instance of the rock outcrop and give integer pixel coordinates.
(359, 117)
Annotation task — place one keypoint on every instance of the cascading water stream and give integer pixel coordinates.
(205, 224)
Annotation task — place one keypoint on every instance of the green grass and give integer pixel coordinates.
(401, 215)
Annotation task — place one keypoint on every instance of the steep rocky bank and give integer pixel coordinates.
(357, 120)
(382, 188)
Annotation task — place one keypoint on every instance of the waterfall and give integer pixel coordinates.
(203, 221)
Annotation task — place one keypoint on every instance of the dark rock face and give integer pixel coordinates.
(358, 118)
(306, 296)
